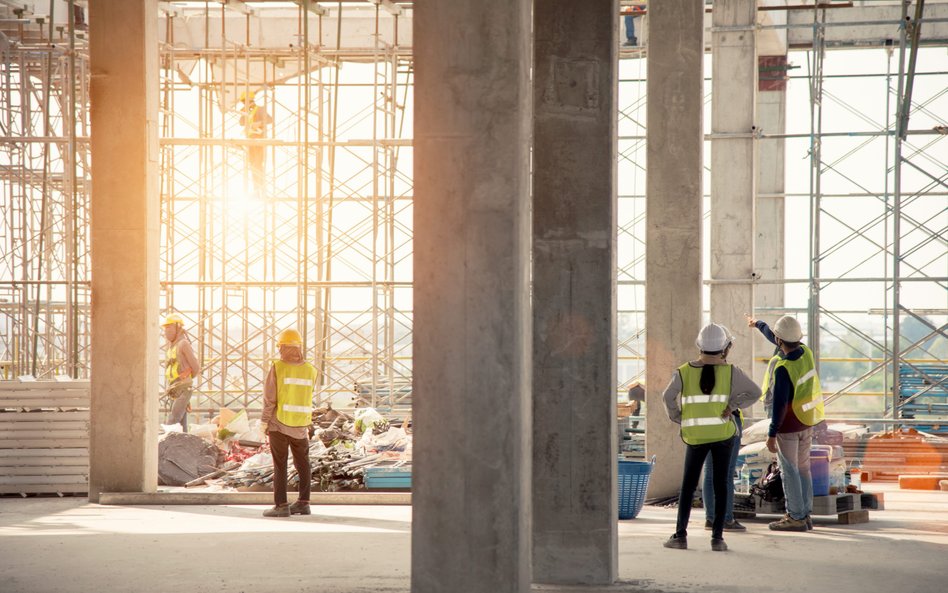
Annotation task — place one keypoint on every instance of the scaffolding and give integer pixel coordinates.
(871, 197)
(324, 243)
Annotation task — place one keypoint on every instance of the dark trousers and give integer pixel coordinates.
(694, 458)
(279, 445)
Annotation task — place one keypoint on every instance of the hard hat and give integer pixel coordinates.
(289, 337)
(173, 319)
(713, 338)
(788, 329)
(244, 95)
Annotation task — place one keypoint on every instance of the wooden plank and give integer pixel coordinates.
(20, 435)
(77, 488)
(8, 463)
(35, 479)
(44, 443)
(51, 385)
(82, 451)
(49, 470)
(47, 427)
(70, 416)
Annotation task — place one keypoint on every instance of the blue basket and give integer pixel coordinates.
(633, 483)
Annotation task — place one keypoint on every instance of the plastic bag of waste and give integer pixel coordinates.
(257, 461)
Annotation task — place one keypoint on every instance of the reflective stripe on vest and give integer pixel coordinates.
(172, 369)
(701, 420)
(807, 402)
(295, 383)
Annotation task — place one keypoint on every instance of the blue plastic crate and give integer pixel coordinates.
(388, 478)
(633, 484)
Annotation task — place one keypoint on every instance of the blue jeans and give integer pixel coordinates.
(707, 488)
(630, 28)
(793, 454)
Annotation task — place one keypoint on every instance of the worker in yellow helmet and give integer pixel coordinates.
(287, 416)
(181, 367)
(254, 118)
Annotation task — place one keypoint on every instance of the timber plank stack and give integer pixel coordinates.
(44, 437)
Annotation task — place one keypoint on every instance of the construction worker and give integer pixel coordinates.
(181, 367)
(702, 396)
(630, 13)
(287, 416)
(792, 387)
(254, 118)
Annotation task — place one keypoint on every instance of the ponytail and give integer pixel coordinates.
(707, 379)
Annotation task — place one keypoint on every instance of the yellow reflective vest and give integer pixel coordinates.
(172, 368)
(295, 384)
(701, 420)
(807, 393)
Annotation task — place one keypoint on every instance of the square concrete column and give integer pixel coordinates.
(124, 98)
(574, 292)
(733, 171)
(471, 503)
(674, 150)
(769, 227)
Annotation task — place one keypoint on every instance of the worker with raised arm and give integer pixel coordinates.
(792, 388)
(181, 368)
(287, 416)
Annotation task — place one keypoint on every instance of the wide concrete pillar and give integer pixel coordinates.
(673, 218)
(471, 482)
(733, 172)
(769, 228)
(574, 292)
(124, 99)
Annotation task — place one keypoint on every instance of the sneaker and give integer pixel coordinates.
(708, 525)
(278, 511)
(718, 545)
(734, 526)
(809, 523)
(300, 507)
(788, 524)
(678, 543)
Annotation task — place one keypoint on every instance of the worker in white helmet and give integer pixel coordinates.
(181, 367)
(702, 396)
(795, 401)
(287, 416)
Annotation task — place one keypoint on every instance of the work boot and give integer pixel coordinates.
(678, 543)
(733, 525)
(788, 524)
(300, 507)
(718, 545)
(280, 510)
(809, 523)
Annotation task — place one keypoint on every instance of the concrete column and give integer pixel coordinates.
(124, 97)
(769, 229)
(472, 412)
(574, 292)
(673, 218)
(733, 174)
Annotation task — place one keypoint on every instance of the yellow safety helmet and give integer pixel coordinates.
(289, 337)
(173, 319)
(246, 95)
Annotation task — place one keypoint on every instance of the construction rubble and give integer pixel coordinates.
(231, 452)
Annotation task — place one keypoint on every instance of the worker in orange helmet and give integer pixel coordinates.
(181, 367)
(287, 416)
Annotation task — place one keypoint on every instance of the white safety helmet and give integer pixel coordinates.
(788, 329)
(713, 338)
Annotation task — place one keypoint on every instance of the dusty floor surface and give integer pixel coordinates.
(52, 545)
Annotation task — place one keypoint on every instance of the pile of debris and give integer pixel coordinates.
(232, 452)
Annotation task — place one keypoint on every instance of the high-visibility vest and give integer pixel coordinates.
(701, 420)
(295, 384)
(807, 394)
(172, 368)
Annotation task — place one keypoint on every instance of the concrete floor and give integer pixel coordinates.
(51, 545)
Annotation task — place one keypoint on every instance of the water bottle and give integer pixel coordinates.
(745, 479)
(855, 474)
